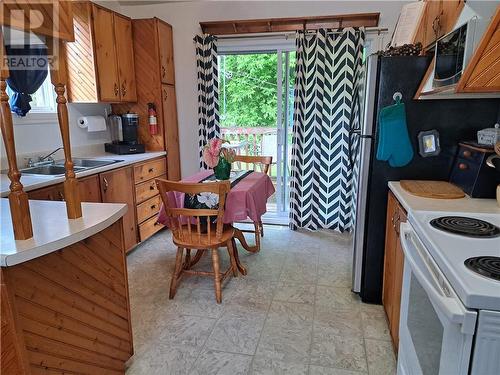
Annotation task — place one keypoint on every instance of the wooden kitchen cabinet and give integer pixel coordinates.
(90, 190)
(147, 196)
(393, 267)
(171, 132)
(50, 193)
(88, 187)
(438, 19)
(166, 48)
(125, 58)
(117, 187)
(155, 78)
(134, 185)
(101, 59)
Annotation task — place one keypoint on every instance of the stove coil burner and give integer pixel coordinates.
(485, 266)
(466, 226)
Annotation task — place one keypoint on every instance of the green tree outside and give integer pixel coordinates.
(247, 89)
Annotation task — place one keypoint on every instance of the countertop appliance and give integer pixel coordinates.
(450, 304)
(455, 120)
(124, 139)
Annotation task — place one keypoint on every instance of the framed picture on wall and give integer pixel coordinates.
(428, 143)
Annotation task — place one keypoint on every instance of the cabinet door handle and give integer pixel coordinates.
(163, 71)
(165, 93)
(61, 195)
(463, 166)
(153, 206)
(116, 89)
(151, 187)
(124, 89)
(106, 185)
(150, 170)
(467, 154)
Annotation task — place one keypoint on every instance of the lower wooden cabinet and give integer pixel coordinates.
(393, 267)
(90, 190)
(116, 187)
(134, 185)
(147, 196)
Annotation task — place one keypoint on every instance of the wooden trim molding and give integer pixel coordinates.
(290, 24)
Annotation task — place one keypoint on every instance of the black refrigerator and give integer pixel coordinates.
(456, 120)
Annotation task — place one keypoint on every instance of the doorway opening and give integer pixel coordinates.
(256, 99)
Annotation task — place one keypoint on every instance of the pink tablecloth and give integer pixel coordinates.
(246, 200)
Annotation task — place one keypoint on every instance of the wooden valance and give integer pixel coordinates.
(52, 18)
(290, 24)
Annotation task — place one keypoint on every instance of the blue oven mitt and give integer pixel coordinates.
(394, 143)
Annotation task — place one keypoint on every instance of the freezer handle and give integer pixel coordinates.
(358, 133)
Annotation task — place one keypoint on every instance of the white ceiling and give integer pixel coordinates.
(147, 2)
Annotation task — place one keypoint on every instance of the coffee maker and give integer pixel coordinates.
(124, 135)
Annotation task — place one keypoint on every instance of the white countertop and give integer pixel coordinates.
(412, 202)
(52, 230)
(37, 182)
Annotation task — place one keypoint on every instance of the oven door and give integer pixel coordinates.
(435, 329)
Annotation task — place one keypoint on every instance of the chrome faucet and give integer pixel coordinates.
(43, 160)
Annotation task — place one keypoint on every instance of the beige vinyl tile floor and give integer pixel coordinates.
(292, 314)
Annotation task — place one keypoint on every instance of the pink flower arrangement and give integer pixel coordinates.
(214, 150)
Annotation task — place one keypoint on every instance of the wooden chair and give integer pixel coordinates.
(191, 231)
(264, 163)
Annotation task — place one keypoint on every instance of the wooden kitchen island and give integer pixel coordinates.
(64, 292)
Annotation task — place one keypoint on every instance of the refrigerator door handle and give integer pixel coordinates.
(358, 133)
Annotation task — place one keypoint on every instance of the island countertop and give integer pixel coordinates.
(52, 230)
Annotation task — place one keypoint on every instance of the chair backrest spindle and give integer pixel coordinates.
(183, 220)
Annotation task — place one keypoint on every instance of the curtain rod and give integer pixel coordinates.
(368, 30)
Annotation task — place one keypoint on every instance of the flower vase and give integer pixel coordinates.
(222, 170)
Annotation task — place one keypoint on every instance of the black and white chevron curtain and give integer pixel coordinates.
(208, 90)
(329, 76)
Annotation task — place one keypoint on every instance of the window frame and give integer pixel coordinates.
(42, 114)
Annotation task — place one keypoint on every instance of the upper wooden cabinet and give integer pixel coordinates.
(166, 49)
(101, 59)
(125, 58)
(483, 72)
(438, 19)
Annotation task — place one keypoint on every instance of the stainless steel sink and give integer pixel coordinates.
(49, 170)
(57, 169)
(88, 163)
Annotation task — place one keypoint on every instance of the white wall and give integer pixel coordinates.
(185, 18)
(39, 138)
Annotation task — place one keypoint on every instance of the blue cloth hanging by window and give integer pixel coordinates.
(394, 143)
(28, 69)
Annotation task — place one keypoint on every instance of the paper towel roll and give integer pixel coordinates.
(92, 123)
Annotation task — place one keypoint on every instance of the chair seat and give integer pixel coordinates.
(192, 240)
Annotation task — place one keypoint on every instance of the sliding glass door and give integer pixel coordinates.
(256, 113)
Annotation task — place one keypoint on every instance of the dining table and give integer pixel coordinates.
(246, 199)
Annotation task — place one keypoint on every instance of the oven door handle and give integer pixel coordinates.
(448, 305)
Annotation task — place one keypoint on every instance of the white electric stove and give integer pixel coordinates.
(450, 308)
